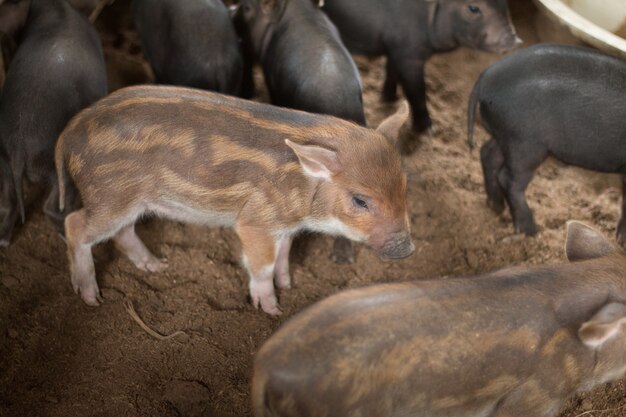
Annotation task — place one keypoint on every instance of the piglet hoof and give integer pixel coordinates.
(5, 239)
(343, 252)
(262, 294)
(346, 258)
(283, 281)
(272, 310)
(496, 206)
(88, 290)
(152, 265)
(529, 229)
(268, 303)
(432, 131)
(90, 295)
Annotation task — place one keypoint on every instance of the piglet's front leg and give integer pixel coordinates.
(621, 226)
(259, 257)
(283, 278)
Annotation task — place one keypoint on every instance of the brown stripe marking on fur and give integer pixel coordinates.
(133, 101)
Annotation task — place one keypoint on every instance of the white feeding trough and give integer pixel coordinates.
(600, 23)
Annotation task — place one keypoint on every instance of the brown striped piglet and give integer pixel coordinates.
(201, 157)
(517, 343)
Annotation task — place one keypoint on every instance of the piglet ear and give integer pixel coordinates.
(316, 161)
(583, 243)
(274, 8)
(390, 127)
(607, 323)
(267, 6)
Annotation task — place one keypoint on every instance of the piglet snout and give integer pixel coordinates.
(507, 41)
(398, 246)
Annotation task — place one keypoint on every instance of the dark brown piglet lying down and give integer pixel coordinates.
(517, 343)
(201, 157)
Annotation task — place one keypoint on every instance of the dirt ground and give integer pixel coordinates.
(59, 357)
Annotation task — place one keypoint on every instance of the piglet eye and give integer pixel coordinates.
(473, 9)
(359, 202)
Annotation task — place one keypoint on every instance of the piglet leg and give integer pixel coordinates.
(129, 243)
(390, 88)
(343, 251)
(8, 205)
(51, 209)
(51, 206)
(79, 242)
(259, 258)
(514, 182)
(492, 161)
(621, 226)
(410, 72)
(283, 279)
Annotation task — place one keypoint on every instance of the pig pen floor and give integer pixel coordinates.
(59, 357)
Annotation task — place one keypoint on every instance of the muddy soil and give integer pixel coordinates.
(59, 357)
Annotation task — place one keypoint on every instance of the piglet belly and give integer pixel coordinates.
(187, 213)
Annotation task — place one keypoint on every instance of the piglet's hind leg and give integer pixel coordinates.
(492, 161)
(621, 226)
(51, 209)
(390, 88)
(343, 251)
(79, 242)
(283, 278)
(130, 244)
(9, 212)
